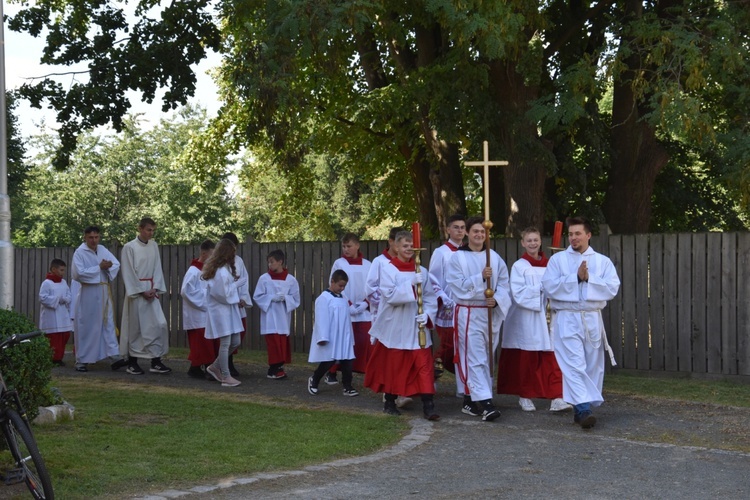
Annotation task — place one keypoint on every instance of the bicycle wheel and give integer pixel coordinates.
(26, 455)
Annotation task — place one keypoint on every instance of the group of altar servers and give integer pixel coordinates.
(367, 320)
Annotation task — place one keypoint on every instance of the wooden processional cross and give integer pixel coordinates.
(489, 292)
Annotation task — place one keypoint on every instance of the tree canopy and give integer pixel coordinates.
(596, 105)
(114, 181)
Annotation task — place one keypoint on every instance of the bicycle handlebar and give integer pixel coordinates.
(17, 338)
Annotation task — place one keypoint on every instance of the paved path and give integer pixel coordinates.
(640, 448)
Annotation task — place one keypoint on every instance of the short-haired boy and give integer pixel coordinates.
(277, 295)
(333, 338)
(54, 317)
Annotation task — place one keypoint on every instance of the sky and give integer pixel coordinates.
(22, 54)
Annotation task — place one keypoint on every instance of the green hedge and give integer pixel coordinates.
(26, 367)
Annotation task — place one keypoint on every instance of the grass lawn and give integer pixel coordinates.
(720, 392)
(117, 445)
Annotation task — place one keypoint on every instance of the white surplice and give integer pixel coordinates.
(222, 304)
(276, 317)
(333, 325)
(54, 315)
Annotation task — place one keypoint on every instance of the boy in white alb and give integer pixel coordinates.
(54, 316)
(456, 230)
(332, 339)
(527, 366)
(398, 364)
(277, 295)
(468, 277)
(356, 268)
(144, 332)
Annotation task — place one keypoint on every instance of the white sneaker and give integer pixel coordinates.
(402, 402)
(559, 405)
(230, 381)
(526, 404)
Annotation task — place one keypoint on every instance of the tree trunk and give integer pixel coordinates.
(526, 154)
(637, 155)
(421, 171)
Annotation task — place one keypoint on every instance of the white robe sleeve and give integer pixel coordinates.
(559, 286)
(264, 293)
(47, 295)
(603, 282)
(526, 286)
(462, 285)
(292, 297)
(192, 292)
(133, 285)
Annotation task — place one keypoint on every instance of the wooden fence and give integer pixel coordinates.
(684, 303)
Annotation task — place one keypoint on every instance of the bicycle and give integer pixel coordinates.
(29, 465)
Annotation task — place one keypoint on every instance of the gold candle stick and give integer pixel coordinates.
(420, 302)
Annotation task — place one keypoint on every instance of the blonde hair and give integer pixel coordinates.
(529, 230)
(223, 254)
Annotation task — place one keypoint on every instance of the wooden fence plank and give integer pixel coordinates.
(698, 303)
(613, 313)
(729, 303)
(684, 302)
(627, 292)
(671, 312)
(642, 344)
(656, 300)
(714, 304)
(743, 303)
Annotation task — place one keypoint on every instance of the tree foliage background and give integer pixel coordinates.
(354, 113)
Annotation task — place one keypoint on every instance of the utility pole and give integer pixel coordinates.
(6, 247)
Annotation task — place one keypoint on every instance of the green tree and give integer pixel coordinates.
(16, 152)
(113, 181)
(401, 92)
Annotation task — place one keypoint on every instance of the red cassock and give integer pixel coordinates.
(400, 371)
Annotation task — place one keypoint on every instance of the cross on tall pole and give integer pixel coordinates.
(489, 292)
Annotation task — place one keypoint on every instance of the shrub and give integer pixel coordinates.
(27, 367)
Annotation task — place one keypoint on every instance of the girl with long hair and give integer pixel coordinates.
(223, 319)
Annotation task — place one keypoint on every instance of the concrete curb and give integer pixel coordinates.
(55, 413)
(421, 431)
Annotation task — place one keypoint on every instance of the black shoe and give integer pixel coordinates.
(81, 367)
(586, 419)
(232, 370)
(158, 367)
(428, 407)
(119, 364)
(389, 408)
(196, 372)
(470, 408)
(489, 412)
(312, 389)
(330, 379)
(58, 362)
(134, 368)
(351, 392)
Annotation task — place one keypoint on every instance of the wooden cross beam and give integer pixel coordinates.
(486, 163)
(487, 224)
